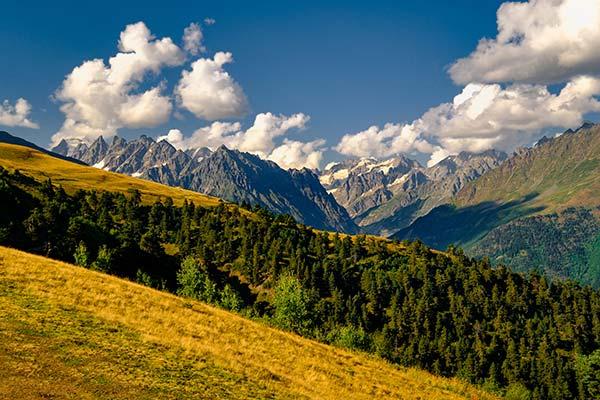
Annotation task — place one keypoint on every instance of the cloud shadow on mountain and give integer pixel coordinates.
(449, 224)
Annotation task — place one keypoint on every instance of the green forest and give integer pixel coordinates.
(564, 244)
(515, 334)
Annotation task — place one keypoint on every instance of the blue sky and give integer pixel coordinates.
(346, 65)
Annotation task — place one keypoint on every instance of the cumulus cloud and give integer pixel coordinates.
(258, 139)
(267, 126)
(481, 117)
(484, 116)
(174, 136)
(99, 99)
(543, 41)
(210, 21)
(296, 154)
(192, 39)
(384, 142)
(209, 92)
(17, 114)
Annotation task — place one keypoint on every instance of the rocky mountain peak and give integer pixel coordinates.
(117, 142)
(198, 153)
(70, 147)
(61, 148)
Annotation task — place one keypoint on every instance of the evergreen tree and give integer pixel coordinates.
(291, 305)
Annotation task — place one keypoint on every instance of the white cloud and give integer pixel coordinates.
(485, 116)
(258, 139)
(16, 115)
(209, 92)
(174, 136)
(384, 142)
(543, 41)
(267, 126)
(145, 109)
(210, 21)
(481, 117)
(192, 39)
(295, 154)
(438, 155)
(98, 99)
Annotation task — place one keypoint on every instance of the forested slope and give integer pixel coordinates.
(442, 312)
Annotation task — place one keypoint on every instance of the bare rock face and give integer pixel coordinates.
(246, 178)
(360, 185)
(74, 148)
(143, 157)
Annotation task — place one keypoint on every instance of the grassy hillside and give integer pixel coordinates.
(73, 333)
(502, 213)
(559, 173)
(73, 176)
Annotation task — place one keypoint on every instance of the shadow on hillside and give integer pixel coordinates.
(399, 218)
(448, 224)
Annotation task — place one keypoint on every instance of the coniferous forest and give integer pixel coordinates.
(515, 334)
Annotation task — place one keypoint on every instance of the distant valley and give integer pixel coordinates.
(384, 196)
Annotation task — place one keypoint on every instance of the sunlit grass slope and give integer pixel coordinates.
(68, 332)
(563, 172)
(74, 176)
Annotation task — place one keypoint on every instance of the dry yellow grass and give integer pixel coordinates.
(74, 176)
(68, 332)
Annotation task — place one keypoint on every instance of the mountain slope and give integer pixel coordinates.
(243, 177)
(566, 243)
(70, 332)
(557, 173)
(558, 179)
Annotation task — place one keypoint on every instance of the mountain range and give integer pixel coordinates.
(384, 196)
(367, 195)
(228, 174)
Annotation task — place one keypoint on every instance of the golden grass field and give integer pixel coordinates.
(74, 176)
(71, 333)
